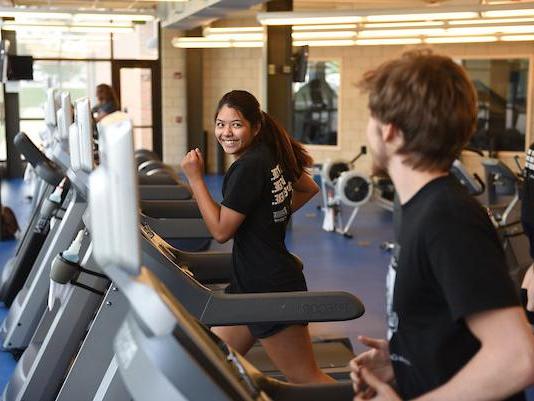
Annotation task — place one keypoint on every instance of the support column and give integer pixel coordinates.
(194, 75)
(279, 68)
(15, 166)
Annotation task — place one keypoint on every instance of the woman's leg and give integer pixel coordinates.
(291, 351)
(237, 337)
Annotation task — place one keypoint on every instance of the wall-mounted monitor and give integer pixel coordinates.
(19, 68)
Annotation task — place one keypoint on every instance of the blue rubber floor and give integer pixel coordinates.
(331, 262)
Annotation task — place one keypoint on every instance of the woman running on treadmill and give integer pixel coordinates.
(107, 102)
(266, 183)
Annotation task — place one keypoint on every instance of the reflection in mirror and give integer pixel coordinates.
(315, 104)
(501, 86)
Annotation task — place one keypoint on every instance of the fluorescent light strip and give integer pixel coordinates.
(207, 44)
(421, 17)
(236, 36)
(489, 30)
(404, 24)
(464, 39)
(311, 20)
(491, 21)
(113, 17)
(240, 29)
(36, 24)
(517, 38)
(508, 13)
(13, 13)
(67, 28)
(369, 42)
(189, 43)
(323, 27)
(324, 35)
(400, 32)
(247, 44)
(323, 43)
(35, 15)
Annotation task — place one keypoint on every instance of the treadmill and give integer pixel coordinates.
(161, 351)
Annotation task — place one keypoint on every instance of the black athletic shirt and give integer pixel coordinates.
(256, 186)
(527, 205)
(449, 265)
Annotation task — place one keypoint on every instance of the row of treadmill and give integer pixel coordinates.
(113, 286)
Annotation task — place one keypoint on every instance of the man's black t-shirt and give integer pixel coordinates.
(527, 201)
(449, 265)
(256, 186)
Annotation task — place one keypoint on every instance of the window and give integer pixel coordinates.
(64, 44)
(316, 104)
(501, 86)
(77, 62)
(79, 78)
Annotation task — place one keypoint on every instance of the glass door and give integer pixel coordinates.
(138, 87)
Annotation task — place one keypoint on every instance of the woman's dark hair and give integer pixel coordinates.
(290, 153)
(109, 94)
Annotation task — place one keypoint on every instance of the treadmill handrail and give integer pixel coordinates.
(281, 307)
(170, 209)
(44, 167)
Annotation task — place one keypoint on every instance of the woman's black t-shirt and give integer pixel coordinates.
(256, 186)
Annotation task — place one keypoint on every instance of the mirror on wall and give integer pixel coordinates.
(502, 87)
(315, 104)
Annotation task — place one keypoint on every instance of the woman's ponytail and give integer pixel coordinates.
(292, 155)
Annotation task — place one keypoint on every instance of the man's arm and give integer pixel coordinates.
(503, 366)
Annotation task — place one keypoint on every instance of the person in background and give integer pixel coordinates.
(107, 102)
(456, 330)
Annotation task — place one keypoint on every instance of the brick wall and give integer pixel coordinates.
(173, 103)
(226, 69)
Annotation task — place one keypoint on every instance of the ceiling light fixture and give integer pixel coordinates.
(421, 16)
(323, 35)
(406, 41)
(461, 39)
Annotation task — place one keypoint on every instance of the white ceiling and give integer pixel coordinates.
(79, 4)
(298, 4)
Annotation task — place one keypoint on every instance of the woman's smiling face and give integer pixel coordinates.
(233, 131)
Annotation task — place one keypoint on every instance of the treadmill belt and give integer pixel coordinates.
(332, 355)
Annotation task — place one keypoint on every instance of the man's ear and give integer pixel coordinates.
(391, 133)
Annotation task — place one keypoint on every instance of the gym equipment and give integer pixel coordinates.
(500, 179)
(43, 363)
(343, 186)
(29, 304)
(156, 183)
(17, 270)
(159, 348)
(472, 182)
(63, 326)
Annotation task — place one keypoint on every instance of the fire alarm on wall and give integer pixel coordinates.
(178, 119)
(177, 75)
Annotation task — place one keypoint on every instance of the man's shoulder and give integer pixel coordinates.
(450, 205)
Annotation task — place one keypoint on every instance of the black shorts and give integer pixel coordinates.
(264, 330)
